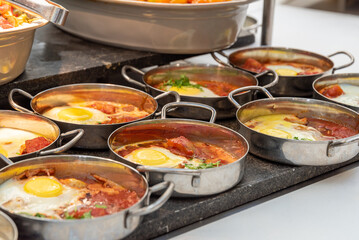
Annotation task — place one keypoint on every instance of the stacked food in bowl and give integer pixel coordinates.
(161, 137)
(17, 31)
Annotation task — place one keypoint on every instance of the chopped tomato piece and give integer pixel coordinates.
(332, 91)
(103, 107)
(181, 146)
(4, 8)
(253, 65)
(34, 145)
(4, 24)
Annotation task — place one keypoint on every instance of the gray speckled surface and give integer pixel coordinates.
(58, 58)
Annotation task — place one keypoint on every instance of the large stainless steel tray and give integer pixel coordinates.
(157, 27)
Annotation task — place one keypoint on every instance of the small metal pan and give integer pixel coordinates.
(348, 78)
(8, 229)
(42, 126)
(188, 183)
(292, 86)
(95, 136)
(114, 226)
(297, 152)
(200, 71)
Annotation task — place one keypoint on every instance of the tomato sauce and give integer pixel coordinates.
(220, 88)
(181, 146)
(254, 65)
(331, 129)
(101, 204)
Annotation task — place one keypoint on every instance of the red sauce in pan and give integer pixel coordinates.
(254, 65)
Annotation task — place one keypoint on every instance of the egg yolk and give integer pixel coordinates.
(3, 152)
(286, 72)
(72, 113)
(149, 157)
(186, 90)
(43, 187)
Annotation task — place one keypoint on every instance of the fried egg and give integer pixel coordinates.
(192, 91)
(350, 96)
(75, 114)
(11, 139)
(157, 156)
(284, 70)
(42, 194)
(275, 125)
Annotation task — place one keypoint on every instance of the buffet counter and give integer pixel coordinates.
(59, 58)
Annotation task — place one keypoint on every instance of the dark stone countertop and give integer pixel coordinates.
(58, 58)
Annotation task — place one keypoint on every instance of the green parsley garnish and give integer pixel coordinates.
(100, 206)
(68, 216)
(87, 215)
(40, 215)
(202, 165)
(182, 82)
(302, 139)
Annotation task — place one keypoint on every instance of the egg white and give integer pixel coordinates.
(275, 125)
(283, 66)
(97, 115)
(11, 139)
(350, 96)
(23, 202)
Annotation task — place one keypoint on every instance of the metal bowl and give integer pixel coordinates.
(188, 183)
(296, 152)
(114, 226)
(349, 78)
(293, 86)
(95, 136)
(8, 229)
(200, 71)
(42, 126)
(157, 27)
(15, 48)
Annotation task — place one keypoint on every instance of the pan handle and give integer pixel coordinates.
(143, 168)
(340, 142)
(14, 104)
(351, 57)
(6, 160)
(130, 80)
(238, 90)
(175, 94)
(168, 106)
(275, 79)
(169, 186)
(78, 134)
(217, 59)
